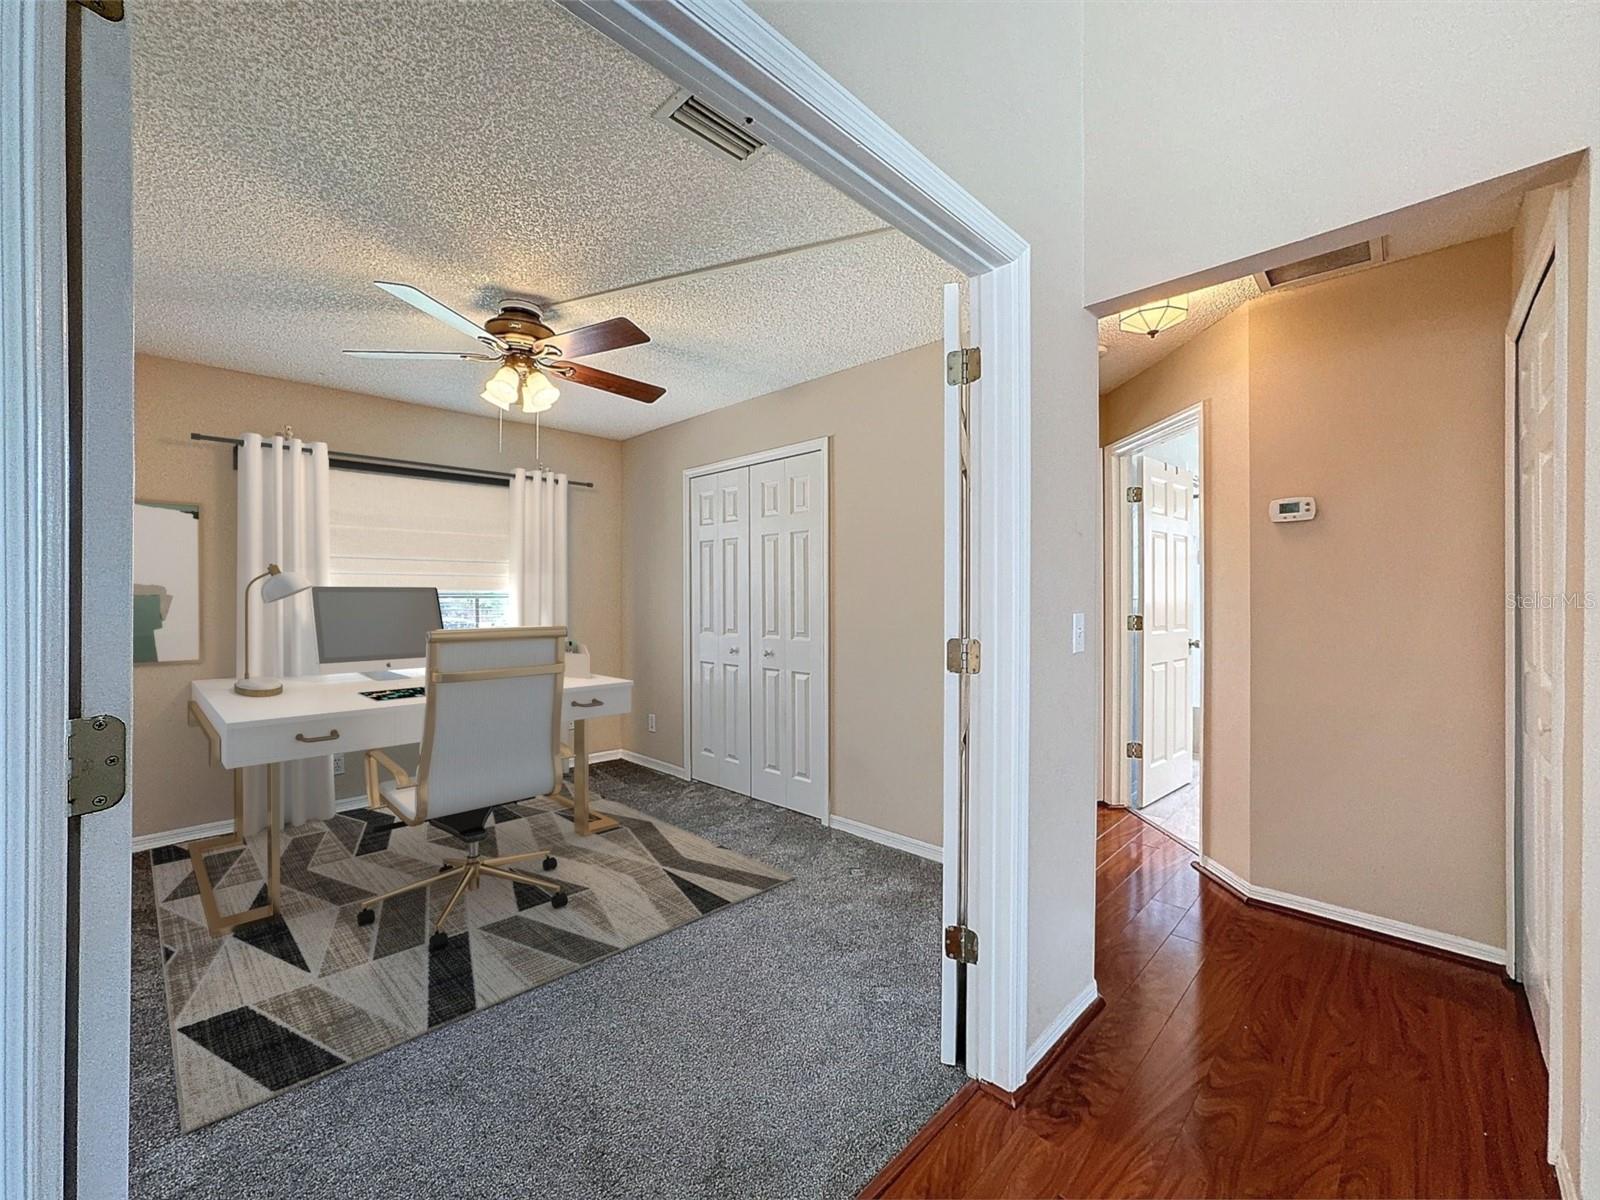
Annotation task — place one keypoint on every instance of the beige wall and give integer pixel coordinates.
(886, 561)
(1377, 704)
(173, 785)
(1213, 370)
(1360, 744)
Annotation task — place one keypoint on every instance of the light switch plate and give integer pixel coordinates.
(1077, 633)
(652, 722)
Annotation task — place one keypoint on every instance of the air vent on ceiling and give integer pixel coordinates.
(727, 136)
(1320, 266)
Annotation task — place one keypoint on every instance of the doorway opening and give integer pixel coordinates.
(1154, 617)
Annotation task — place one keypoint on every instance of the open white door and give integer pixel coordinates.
(66, 510)
(1167, 728)
(951, 1002)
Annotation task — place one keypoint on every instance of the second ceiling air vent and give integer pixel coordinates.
(1320, 266)
(727, 136)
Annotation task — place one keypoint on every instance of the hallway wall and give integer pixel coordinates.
(1355, 717)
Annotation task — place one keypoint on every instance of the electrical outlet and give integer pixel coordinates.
(338, 764)
(651, 722)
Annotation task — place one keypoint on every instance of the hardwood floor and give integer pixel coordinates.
(1244, 1051)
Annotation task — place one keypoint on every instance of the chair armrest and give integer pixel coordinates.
(389, 765)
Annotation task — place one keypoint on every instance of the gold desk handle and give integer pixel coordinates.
(587, 703)
(327, 737)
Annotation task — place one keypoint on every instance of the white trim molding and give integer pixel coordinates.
(886, 837)
(189, 833)
(34, 601)
(1057, 1029)
(1356, 919)
(650, 764)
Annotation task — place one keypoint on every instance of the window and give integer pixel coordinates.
(401, 531)
(475, 610)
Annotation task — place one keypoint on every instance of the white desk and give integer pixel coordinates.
(327, 714)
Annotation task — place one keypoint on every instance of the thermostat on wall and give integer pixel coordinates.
(1294, 508)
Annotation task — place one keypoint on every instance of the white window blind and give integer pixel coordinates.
(400, 531)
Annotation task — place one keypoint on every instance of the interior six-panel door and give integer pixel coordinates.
(786, 599)
(720, 606)
(1168, 628)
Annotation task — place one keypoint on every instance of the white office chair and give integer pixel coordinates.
(491, 735)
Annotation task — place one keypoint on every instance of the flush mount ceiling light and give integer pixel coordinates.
(1152, 318)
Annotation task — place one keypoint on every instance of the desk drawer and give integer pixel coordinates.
(602, 700)
(314, 737)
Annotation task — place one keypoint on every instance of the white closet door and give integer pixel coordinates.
(1168, 628)
(787, 709)
(720, 596)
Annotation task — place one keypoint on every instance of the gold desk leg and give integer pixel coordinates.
(583, 821)
(198, 849)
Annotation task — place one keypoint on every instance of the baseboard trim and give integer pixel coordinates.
(895, 841)
(1452, 945)
(1052, 1044)
(173, 837)
(652, 764)
(1566, 1182)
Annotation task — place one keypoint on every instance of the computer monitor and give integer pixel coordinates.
(374, 629)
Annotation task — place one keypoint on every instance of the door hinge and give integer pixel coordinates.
(963, 656)
(111, 10)
(97, 753)
(1135, 749)
(1136, 623)
(1136, 495)
(963, 366)
(961, 944)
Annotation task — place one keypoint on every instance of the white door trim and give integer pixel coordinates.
(1117, 530)
(34, 598)
(820, 446)
(1547, 264)
(730, 56)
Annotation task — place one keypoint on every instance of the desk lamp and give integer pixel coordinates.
(280, 584)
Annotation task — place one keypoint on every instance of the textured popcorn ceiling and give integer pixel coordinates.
(287, 155)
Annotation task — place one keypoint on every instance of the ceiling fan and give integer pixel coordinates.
(528, 351)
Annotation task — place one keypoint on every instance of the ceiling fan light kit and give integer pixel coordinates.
(528, 352)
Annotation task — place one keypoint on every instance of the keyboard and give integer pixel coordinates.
(405, 693)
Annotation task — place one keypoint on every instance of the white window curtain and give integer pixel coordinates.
(539, 547)
(283, 519)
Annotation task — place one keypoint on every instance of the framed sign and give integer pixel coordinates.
(166, 582)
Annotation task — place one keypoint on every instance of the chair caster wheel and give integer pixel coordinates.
(559, 900)
(443, 868)
(549, 862)
(438, 941)
(366, 917)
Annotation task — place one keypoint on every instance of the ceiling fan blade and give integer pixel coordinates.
(423, 302)
(597, 339)
(433, 354)
(605, 381)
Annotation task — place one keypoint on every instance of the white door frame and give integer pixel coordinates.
(1547, 265)
(820, 446)
(726, 53)
(35, 590)
(1116, 535)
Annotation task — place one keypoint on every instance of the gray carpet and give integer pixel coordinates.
(785, 1046)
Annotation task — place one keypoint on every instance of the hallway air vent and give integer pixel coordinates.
(1342, 261)
(727, 136)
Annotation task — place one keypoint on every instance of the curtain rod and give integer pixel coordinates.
(393, 466)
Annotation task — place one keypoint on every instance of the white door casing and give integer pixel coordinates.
(719, 609)
(1168, 552)
(787, 710)
(1540, 609)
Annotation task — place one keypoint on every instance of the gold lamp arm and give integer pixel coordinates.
(272, 569)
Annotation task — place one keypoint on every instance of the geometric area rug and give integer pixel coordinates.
(278, 1002)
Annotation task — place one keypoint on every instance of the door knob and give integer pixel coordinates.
(1194, 643)
(735, 650)
(766, 654)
